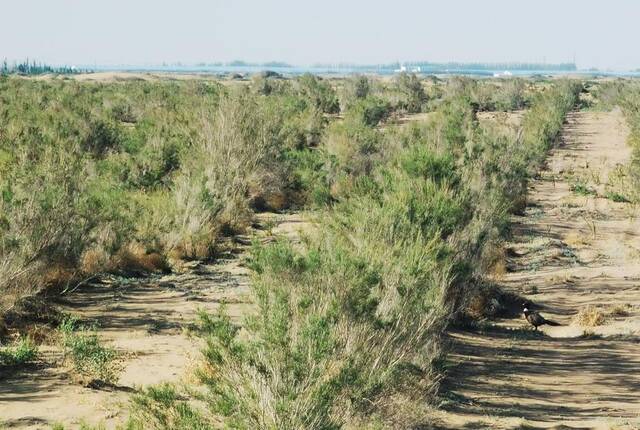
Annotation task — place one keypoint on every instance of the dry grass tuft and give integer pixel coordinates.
(575, 238)
(589, 316)
(618, 310)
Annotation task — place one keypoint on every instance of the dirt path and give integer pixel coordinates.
(146, 321)
(569, 251)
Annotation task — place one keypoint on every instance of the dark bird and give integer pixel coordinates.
(536, 320)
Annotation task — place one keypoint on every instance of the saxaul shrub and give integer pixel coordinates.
(319, 92)
(411, 88)
(369, 111)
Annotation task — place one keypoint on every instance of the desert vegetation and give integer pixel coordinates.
(623, 94)
(135, 177)
(630, 102)
(347, 330)
(131, 176)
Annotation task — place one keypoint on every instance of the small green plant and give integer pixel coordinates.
(582, 189)
(162, 407)
(616, 197)
(21, 353)
(87, 355)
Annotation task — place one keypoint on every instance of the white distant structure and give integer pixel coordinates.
(504, 74)
(403, 69)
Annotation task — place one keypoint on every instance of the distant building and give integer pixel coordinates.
(504, 74)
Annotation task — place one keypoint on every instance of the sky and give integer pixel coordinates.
(144, 32)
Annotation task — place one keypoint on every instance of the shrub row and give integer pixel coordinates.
(347, 330)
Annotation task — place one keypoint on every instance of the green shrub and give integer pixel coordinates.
(369, 111)
(510, 95)
(161, 407)
(87, 355)
(360, 86)
(411, 88)
(319, 92)
(626, 94)
(22, 352)
(103, 136)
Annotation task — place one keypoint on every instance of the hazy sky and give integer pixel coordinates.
(599, 34)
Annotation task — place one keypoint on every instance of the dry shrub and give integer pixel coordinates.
(399, 411)
(491, 301)
(267, 194)
(135, 258)
(192, 249)
(59, 274)
(4, 331)
(33, 317)
(589, 316)
(618, 310)
(94, 260)
(495, 260)
(193, 232)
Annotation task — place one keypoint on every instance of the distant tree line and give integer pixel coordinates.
(33, 67)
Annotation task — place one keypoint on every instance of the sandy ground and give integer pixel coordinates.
(146, 321)
(569, 251)
(128, 76)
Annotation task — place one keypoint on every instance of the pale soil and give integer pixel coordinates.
(147, 321)
(127, 76)
(568, 252)
(507, 119)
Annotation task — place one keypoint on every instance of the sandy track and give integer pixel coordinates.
(568, 251)
(145, 320)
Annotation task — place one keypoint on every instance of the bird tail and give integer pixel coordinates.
(553, 323)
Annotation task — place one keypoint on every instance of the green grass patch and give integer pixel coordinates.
(582, 189)
(21, 352)
(616, 197)
(85, 352)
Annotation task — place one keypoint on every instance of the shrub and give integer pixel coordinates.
(103, 136)
(355, 88)
(369, 111)
(321, 94)
(410, 86)
(89, 358)
(161, 407)
(510, 95)
(22, 352)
